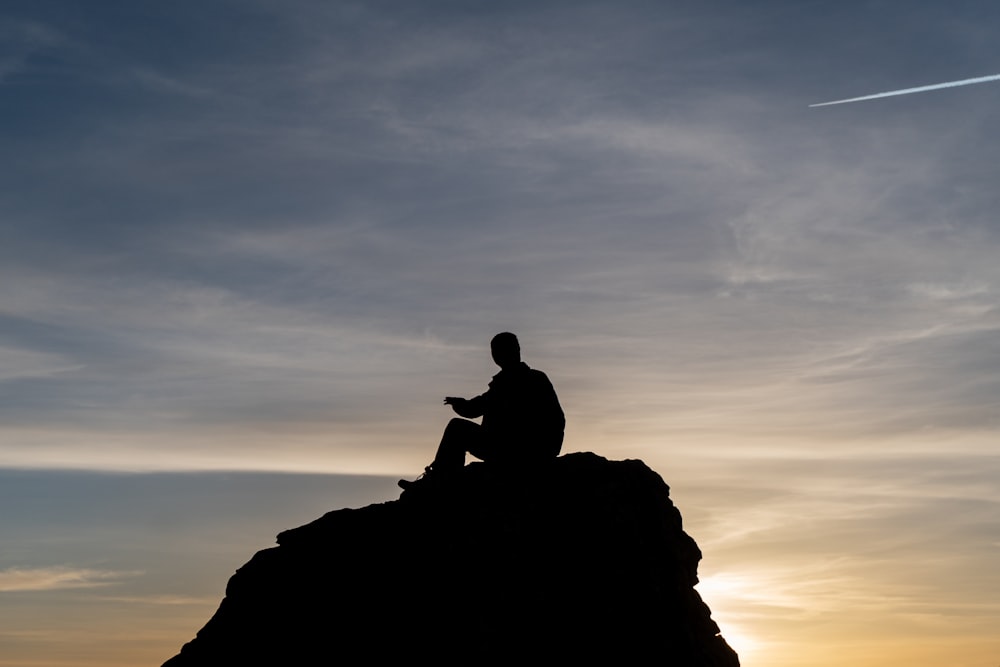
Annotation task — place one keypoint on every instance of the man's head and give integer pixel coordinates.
(506, 350)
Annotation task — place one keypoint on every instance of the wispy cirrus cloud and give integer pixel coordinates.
(21, 40)
(17, 579)
(163, 600)
(275, 248)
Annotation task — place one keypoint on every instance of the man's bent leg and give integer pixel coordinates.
(459, 436)
(486, 448)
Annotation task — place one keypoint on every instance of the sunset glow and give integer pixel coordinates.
(247, 248)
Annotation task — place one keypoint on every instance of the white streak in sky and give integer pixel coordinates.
(56, 578)
(920, 89)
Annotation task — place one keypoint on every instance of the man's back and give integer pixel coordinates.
(521, 413)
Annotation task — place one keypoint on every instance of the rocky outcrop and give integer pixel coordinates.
(584, 559)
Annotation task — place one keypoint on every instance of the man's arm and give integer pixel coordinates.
(468, 408)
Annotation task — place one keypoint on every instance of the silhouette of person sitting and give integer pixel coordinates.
(522, 419)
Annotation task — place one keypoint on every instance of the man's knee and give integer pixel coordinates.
(459, 436)
(460, 433)
(460, 426)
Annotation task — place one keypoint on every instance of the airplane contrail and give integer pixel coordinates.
(920, 89)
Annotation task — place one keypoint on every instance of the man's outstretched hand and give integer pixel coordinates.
(453, 400)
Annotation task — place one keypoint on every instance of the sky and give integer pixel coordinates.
(247, 247)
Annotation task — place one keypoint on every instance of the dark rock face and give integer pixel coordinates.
(583, 560)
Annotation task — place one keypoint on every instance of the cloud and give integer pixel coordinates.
(160, 83)
(20, 363)
(164, 600)
(57, 578)
(276, 244)
(277, 247)
(21, 40)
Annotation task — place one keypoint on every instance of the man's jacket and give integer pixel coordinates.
(520, 412)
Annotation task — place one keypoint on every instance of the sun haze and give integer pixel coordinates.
(246, 248)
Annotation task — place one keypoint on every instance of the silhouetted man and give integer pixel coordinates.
(522, 419)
